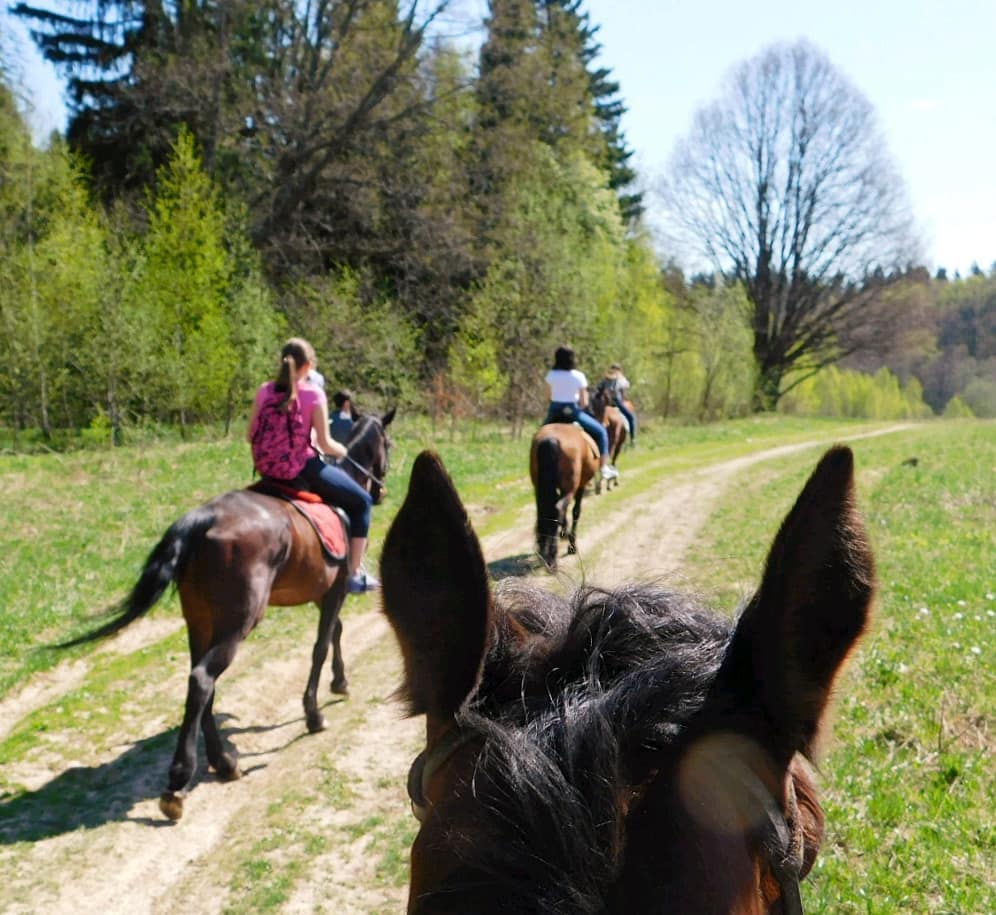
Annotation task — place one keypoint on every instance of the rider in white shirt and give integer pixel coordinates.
(567, 389)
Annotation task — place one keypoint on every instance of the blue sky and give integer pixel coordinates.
(927, 66)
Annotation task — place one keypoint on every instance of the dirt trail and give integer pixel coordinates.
(130, 861)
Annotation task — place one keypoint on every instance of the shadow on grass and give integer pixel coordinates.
(517, 566)
(87, 797)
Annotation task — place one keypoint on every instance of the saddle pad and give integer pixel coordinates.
(329, 522)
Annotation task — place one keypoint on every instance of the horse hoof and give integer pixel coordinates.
(171, 805)
(230, 772)
(340, 689)
(227, 769)
(316, 723)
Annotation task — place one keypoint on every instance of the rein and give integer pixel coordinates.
(364, 471)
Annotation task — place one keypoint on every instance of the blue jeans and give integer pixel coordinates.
(562, 412)
(335, 486)
(630, 418)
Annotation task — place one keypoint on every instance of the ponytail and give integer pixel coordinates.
(287, 382)
(296, 352)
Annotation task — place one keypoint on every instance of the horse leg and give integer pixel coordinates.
(224, 760)
(330, 605)
(562, 513)
(200, 690)
(339, 685)
(572, 541)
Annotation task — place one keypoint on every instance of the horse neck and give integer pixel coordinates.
(362, 445)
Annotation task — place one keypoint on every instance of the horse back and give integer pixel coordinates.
(259, 548)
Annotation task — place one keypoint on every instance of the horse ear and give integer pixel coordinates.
(385, 420)
(812, 606)
(436, 593)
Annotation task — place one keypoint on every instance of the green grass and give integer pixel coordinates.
(909, 776)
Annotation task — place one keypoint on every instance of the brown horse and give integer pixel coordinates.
(619, 751)
(562, 462)
(615, 425)
(230, 559)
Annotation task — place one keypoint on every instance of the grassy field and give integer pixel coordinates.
(908, 776)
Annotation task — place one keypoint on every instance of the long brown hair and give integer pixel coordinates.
(296, 352)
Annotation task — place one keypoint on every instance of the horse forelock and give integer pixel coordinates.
(573, 693)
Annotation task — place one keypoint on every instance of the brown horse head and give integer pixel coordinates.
(619, 751)
(369, 452)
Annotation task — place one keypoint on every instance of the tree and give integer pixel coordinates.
(297, 108)
(723, 347)
(609, 110)
(784, 184)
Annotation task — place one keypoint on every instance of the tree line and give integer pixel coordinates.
(435, 219)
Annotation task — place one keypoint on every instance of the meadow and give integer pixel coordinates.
(908, 775)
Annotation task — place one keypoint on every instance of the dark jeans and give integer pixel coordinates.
(569, 412)
(630, 418)
(335, 486)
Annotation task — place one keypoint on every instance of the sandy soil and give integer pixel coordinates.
(130, 861)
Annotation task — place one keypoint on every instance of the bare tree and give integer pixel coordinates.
(784, 183)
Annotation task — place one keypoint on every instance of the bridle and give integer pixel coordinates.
(782, 845)
(353, 444)
(428, 762)
(778, 840)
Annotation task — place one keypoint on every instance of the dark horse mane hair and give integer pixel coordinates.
(599, 677)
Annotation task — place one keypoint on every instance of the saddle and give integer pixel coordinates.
(566, 416)
(329, 522)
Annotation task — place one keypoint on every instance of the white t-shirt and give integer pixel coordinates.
(565, 386)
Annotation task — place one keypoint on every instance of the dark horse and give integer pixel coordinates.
(230, 559)
(562, 461)
(615, 425)
(619, 751)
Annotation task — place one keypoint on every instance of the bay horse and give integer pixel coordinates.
(619, 751)
(562, 462)
(615, 424)
(229, 559)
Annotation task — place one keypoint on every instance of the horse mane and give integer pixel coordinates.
(574, 691)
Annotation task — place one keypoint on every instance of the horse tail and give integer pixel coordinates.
(164, 564)
(547, 516)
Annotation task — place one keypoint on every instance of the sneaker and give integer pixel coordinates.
(361, 582)
(609, 472)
